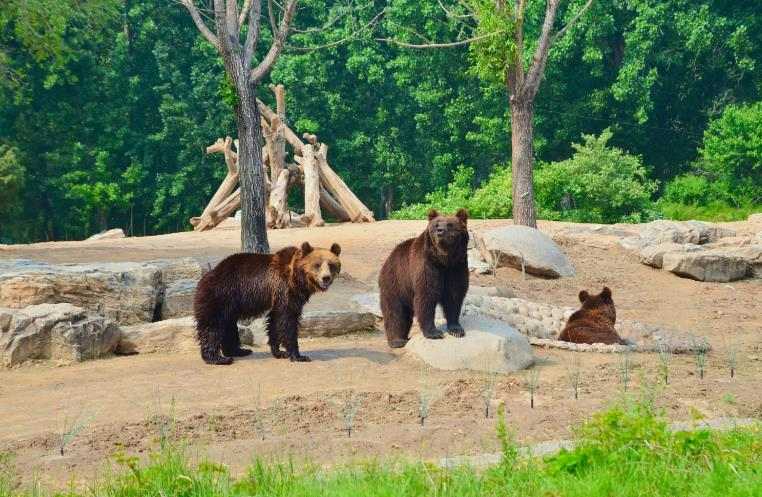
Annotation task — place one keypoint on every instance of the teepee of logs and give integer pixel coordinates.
(324, 190)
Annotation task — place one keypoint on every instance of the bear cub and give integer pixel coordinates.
(423, 272)
(248, 285)
(594, 322)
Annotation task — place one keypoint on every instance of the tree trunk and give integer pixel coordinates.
(250, 169)
(522, 162)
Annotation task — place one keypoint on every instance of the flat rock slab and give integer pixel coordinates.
(169, 335)
(108, 234)
(60, 332)
(707, 265)
(523, 248)
(489, 345)
(663, 231)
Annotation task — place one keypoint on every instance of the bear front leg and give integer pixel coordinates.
(274, 337)
(287, 324)
(455, 290)
(425, 305)
(398, 318)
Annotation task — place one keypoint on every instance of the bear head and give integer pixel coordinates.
(602, 303)
(320, 266)
(448, 232)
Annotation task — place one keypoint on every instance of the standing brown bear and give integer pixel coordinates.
(423, 272)
(248, 285)
(594, 322)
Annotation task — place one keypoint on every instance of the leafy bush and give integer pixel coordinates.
(599, 183)
(732, 153)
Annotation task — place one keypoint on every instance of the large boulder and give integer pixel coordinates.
(489, 345)
(523, 247)
(314, 324)
(127, 292)
(706, 265)
(178, 299)
(653, 255)
(680, 232)
(54, 331)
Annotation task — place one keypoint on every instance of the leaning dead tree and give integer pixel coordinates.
(324, 190)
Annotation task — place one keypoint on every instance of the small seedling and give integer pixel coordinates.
(532, 383)
(732, 359)
(575, 377)
(349, 411)
(259, 412)
(701, 350)
(625, 367)
(424, 404)
(70, 429)
(488, 391)
(665, 356)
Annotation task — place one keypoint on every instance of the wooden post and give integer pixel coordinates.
(278, 206)
(311, 187)
(227, 185)
(288, 133)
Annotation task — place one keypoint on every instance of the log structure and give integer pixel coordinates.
(324, 190)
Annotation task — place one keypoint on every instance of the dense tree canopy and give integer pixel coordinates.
(106, 106)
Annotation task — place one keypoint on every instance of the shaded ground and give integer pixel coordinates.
(278, 409)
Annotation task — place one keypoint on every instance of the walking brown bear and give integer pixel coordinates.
(248, 285)
(423, 272)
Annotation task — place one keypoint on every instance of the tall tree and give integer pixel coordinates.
(235, 36)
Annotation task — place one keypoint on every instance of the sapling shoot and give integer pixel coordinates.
(532, 383)
(665, 356)
(488, 391)
(575, 376)
(625, 366)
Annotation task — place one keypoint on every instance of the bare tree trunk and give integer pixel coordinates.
(522, 163)
(250, 170)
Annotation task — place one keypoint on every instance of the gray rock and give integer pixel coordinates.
(706, 265)
(108, 234)
(54, 331)
(170, 335)
(127, 292)
(476, 264)
(316, 324)
(178, 299)
(663, 231)
(752, 254)
(489, 345)
(521, 246)
(653, 255)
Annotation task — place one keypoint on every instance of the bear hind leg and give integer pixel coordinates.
(231, 341)
(398, 318)
(210, 341)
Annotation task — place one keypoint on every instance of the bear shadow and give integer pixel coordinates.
(325, 355)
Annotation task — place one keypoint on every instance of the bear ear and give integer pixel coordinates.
(432, 214)
(336, 249)
(583, 296)
(606, 293)
(462, 214)
(306, 248)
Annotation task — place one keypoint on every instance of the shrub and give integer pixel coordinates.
(599, 183)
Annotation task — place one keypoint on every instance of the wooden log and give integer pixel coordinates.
(288, 133)
(312, 187)
(357, 211)
(280, 101)
(332, 207)
(278, 205)
(276, 148)
(227, 185)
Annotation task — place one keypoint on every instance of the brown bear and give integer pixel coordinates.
(248, 285)
(594, 322)
(423, 272)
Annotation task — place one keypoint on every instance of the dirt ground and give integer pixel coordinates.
(275, 409)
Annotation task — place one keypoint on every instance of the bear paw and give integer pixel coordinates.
(397, 343)
(456, 330)
(239, 352)
(433, 334)
(279, 354)
(299, 358)
(219, 361)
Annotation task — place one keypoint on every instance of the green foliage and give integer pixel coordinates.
(732, 152)
(599, 183)
(495, 49)
(12, 175)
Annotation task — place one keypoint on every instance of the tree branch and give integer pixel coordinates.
(572, 22)
(199, 22)
(336, 43)
(244, 12)
(439, 45)
(279, 39)
(231, 21)
(252, 37)
(537, 68)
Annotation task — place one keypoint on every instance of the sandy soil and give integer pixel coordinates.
(264, 407)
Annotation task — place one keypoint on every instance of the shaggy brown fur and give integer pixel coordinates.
(248, 285)
(423, 272)
(594, 322)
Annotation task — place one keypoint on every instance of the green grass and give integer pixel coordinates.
(624, 451)
(714, 211)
